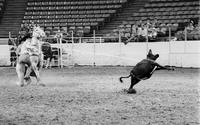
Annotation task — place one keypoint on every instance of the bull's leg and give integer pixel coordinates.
(160, 67)
(20, 69)
(41, 61)
(25, 59)
(28, 72)
(35, 68)
(34, 63)
(134, 81)
(27, 81)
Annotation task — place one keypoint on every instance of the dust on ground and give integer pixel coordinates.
(94, 96)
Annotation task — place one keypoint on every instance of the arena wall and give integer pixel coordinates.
(4, 55)
(175, 53)
(185, 54)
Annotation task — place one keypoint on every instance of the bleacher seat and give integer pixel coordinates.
(2, 6)
(71, 13)
(167, 10)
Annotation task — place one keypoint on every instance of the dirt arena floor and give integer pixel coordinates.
(94, 96)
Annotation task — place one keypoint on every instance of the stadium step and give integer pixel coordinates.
(12, 17)
(131, 7)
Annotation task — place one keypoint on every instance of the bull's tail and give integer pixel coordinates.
(120, 79)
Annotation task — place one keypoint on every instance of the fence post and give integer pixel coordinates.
(169, 54)
(100, 39)
(120, 39)
(169, 33)
(80, 39)
(185, 39)
(61, 52)
(147, 41)
(185, 34)
(120, 48)
(72, 47)
(94, 50)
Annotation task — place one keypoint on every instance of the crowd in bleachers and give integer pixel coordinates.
(82, 16)
(142, 30)
(153, 30)
(56, 32)
(191, 32)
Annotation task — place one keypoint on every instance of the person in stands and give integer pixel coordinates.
(190, 26)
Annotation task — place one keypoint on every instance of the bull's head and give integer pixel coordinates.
(38, 32)
(151, 56)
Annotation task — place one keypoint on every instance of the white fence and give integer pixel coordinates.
(175, 53)
(4, 55)
(185, 53)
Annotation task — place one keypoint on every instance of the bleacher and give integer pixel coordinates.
(11, 18)
(71, 14)
(2, 6)
(83, 16)
(173, 14)
(169, 11)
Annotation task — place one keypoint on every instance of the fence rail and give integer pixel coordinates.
(98, 48)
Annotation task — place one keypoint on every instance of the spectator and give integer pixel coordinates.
(155, 23)
(190, 26)
(144, 31)
(139, 30)
(148, 23)
(59, 36)
(163, 29)
(134, 30)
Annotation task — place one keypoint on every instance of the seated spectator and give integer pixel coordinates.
(141, 34)
(127, 35)
(155, 23)
(163, 29)
(139, 31)
(148, 23)
(140, 23)
(134, 30)
(144, 31)
(59, 36)
(190, 26)
(198, 27)
(152, 34)
(193, 32)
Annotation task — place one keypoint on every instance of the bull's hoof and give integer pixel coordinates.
(131, 91)
(27, 78)
(20, 84)
(27, 81)
(41, 84)
(32, 74)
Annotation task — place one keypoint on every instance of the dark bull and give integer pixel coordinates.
(144, 70)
